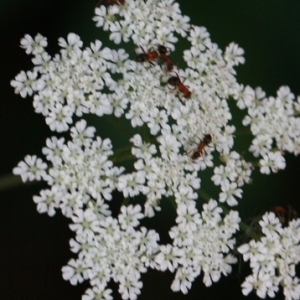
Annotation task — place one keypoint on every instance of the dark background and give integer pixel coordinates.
(34, 247)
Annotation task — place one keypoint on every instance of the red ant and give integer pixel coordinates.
(285, 216)
(110, 2)
(175, 81)
(147, 56)
(166, 59)
(200, 149)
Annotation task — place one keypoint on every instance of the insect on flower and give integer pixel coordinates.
(149, 56)
(110, 2)
(285, 215)
(176, 82)
(165, 58)
(200, 149)
(280, 213)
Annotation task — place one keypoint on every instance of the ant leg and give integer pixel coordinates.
(172, 89)
(142, 49)
(187, 153)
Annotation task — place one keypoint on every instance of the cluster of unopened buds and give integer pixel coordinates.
(177, 124)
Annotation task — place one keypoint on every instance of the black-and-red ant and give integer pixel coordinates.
(175, 81)
(149, 56)
(165, 58)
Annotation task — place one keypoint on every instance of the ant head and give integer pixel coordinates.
(174, 80)
(169, 67)
(162, 49)
(207, 139)
(142, 57)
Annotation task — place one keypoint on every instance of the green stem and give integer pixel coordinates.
(122, 154)
(115, 121)
(173, 202)
(204, 195)
(249, 231)
(244, 131)
(255, 164)
(10, 181)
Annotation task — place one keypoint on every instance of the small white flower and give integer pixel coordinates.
(157, 119)
(291, 289)
(183, 280)
(32, 168)
(85, 222)
(72, 40)
(105, 17)
(115, 35)
(167, 36)
(54, 150)
(192, 57)
(75, 271)
(169, 146)
(135, 114)
(59, 117)
(45, 100)
(168, 258)
(233, 54)
(24, 83)
(47, 202)
(260, 282)
(181, 24)
(221, 175)
(130, 216)
(95, 54)
(70, 202)
(98, 292)
(188, 215)
(261, 145)
(81, 133)
(274, 161)
(211, 212)
(199, 37)
(34, 46)
(270, 225)
(229, 190)
(130, 286)
(131, 184)
(42, 62)
(141, 149)
(119, 58)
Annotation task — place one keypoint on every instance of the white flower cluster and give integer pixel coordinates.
(235, 173)
(108, 249)
(201, 243)
(185, 116)
(79, 173)
(274, 125)
(273, 259)
(143, 21)
(82, 179)
(72, 83)
(168, 175)
(68, 84)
